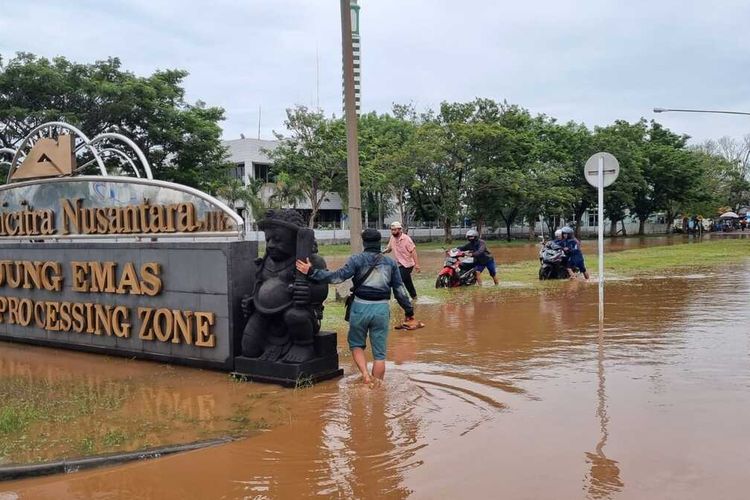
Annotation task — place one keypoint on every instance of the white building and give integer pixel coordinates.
(251, 162)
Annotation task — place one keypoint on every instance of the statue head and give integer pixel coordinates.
(280, 227)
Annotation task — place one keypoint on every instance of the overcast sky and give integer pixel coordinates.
(591, 61)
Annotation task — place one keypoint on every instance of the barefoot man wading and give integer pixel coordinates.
(374, 277)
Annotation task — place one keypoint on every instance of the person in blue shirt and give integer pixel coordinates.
(370, 310)
(575, 256)
(482, 256)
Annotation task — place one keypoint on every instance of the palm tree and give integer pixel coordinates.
(285, 192)
(234, 191)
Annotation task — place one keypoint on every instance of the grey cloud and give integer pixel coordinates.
(589, 61)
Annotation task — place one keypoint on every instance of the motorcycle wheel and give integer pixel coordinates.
(443, 281)
(471, 279)
(562, 273)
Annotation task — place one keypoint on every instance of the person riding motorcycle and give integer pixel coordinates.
(575, 256)
(482, 256)
(553, 258)
(559, 238)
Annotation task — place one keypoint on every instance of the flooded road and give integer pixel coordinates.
(432, 259)
(523, 396)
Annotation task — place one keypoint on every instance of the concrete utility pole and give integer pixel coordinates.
(352, 148)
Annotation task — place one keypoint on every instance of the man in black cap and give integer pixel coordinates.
(374, 275)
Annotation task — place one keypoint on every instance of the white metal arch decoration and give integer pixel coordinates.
(119, 137)
(124, 157)
(7, 151)
(50, 125)
(90, 144)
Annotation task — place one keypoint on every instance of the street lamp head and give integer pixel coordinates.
(659, 110)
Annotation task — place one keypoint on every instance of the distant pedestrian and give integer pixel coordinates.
(405, 252)
(374, 276)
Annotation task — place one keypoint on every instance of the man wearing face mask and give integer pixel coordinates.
(374, 277)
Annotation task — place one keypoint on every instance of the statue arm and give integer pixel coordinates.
(318, 291)
(247, 301)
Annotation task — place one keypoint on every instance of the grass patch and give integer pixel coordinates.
(303, 382)
(114, 438)
(243, 423)
(86, 446)
(13, 419)
(28, 402)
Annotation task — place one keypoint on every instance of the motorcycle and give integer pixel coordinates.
(552, 260)
(458, 270)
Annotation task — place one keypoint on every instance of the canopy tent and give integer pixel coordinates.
(729, 215)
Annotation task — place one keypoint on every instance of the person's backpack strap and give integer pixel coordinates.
(368, 273)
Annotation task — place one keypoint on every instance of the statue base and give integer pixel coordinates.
(324, 366)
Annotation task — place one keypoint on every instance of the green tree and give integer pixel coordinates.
(285, 192)
(235, 191)
(562, 151)
(727, 163)
(626, 142)
(441, 145)
(385, 169)
(398, 163)
(499, 164)
(312, 156)
(181, 141)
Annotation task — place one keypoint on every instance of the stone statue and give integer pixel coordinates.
(285, 309)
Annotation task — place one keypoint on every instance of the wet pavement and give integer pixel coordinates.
(523, 396)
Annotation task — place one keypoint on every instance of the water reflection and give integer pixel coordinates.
(604, 476)
(494, 399)
(110, 404)
(370, 434)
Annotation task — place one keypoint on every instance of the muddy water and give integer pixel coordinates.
(524, 397)
(432, 259)
(114, 404)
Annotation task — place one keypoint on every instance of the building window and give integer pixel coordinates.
(263, 171)
(239, 171)
(593, 219)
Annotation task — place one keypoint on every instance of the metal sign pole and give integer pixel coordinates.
(600, 183)
(601, 170)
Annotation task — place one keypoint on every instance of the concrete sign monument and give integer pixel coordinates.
(123, 265)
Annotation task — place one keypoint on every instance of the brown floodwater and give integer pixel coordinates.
(524, 396)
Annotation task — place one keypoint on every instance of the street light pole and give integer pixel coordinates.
(352, 148)
(666, 110)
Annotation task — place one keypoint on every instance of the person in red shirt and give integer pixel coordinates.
(405, 252)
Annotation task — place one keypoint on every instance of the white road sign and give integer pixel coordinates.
(611, 169)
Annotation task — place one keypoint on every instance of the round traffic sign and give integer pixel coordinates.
(611, 169)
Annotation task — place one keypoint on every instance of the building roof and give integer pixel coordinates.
(249, 150)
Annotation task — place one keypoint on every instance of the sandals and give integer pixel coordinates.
(410, 325)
